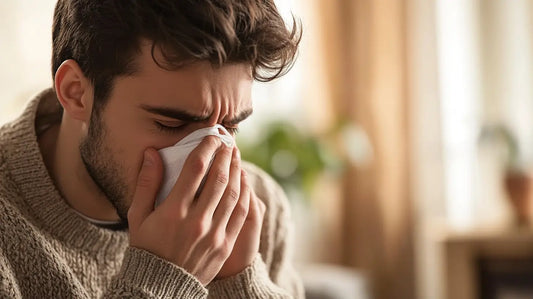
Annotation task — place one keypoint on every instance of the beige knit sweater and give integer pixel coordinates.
(48, 251)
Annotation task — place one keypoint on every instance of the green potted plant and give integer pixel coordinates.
(292, 158)
(517, 179)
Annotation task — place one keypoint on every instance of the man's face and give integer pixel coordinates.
(157, 108)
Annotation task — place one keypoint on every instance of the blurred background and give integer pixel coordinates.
(403, 137)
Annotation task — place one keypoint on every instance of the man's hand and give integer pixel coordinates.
(197, 234)
(247, 244)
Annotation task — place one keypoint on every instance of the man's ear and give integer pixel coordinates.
(74, 91)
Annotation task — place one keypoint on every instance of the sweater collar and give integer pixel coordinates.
(29, 172)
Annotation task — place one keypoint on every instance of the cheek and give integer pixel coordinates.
(129, 135)
(127, 146)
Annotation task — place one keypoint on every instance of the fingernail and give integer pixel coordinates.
(238, 153)
(148, 160)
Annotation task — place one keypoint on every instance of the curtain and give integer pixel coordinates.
(364, 45)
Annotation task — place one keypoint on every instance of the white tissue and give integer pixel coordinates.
(174, 156)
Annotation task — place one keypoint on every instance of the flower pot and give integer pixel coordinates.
(519, 188)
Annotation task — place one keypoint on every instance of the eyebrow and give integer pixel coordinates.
(240, 117)
(189, 117)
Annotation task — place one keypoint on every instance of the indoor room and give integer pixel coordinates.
(402, 137)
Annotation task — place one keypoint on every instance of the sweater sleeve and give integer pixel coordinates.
(144, 275)
(252, 283)
(272, 274)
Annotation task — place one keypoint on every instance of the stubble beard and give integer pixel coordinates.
(104, 170)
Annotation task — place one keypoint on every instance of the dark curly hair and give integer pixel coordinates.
(103, 36)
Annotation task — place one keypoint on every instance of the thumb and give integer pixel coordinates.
(148, 182)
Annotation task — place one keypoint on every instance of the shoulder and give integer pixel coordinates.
(8, 190)
(5, 182)
(277, 219)
(12, 206)
(277, 223)
(9, 210)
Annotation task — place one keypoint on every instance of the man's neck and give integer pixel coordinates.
(60, 151)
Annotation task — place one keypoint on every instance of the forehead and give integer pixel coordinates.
(197, 87)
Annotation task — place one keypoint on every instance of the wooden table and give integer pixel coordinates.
(467, 256)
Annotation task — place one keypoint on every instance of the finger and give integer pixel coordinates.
(216, 183)
(237, 218)
(231, 195)
(225, 206)
(254, 221)
(259, 210)
(241, 210)
(215, 245)
(193, 172)
(261, 207)
(148, 182)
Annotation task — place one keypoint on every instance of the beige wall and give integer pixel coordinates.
(25, 49)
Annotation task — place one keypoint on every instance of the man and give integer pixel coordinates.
(80, 168)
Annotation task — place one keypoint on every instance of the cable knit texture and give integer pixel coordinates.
(48, 251)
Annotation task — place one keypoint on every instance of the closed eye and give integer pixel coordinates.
(169, 129)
